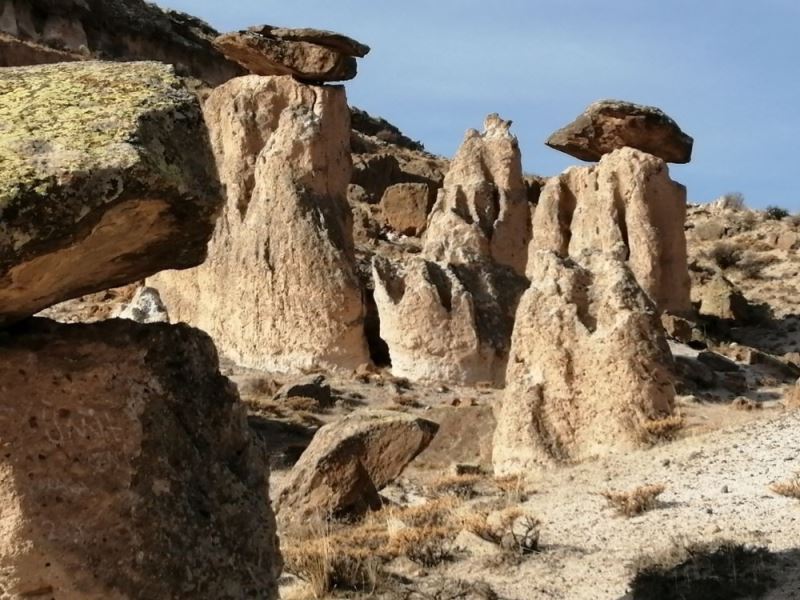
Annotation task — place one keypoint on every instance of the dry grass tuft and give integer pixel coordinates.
(302, 403)
(664, 429)
(514, 487)
(790, 488)
(725, 255)
(461, 486)
(427, 546)
(636, 501)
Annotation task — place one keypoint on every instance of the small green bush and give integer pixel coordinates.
(776, 213)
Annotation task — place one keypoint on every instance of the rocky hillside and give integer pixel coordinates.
(257, 343)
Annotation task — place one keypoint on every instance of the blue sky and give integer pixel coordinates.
(725, 70)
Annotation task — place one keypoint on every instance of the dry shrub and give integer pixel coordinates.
(790, 488)
(664, 429)
(742, 403)
(461, 486)
(513, 486)
(427, 546)
(725, 255)
(431, 514)
(407, 401)
(776, 213)
(636, 501)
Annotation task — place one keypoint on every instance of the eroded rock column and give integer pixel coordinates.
(279, 289)
(589, 365)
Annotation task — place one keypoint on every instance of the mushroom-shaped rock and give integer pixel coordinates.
(349, 461)
(609, 125)
(128, 470)
(307, 54)
(106, 177)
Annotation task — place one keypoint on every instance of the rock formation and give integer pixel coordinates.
(483, 211)
(348, 462)
(308, 54)
(589, 365)
(627, 198)
(404, 208)
(718, 297)
(448, 315)
(128, 470)
(106, 177)
(448, 323)
(610, 125)
(278, 290)
(45, 31)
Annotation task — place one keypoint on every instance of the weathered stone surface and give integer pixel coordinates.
(39, 31)
(629, 199)
(446, 323)
(483, 210)
(308, 54)
(279, 289)
(589, 366)
(610, 125)
(348, 462)
(128, 470)
(145, 307)
(328, 39)
(793, 396)
(720, 298)
(106, 176)
(405, 207)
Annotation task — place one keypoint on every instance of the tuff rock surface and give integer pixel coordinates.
(629, 199)
(46, 31)
(610, 125)
(482, 210)
(446, 323)
(589, 366)
(348, 462)
(106, 177)
(279, 290)
(308, 54)
(128, 470)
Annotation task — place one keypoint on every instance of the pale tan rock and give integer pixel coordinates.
(348, 462)
(128, 470)
(793, 395)
(483, 210)
(278, 290)
(106, 177)
(405, 207)
(629, 199)
(446, 323)
(589, 365)
(719, 297)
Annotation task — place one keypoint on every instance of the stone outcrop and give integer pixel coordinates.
(404, 208)
(145, 307)
(45, 31)
(446, 323)
(627, 198)
(348, 462)
(718, 297)
(128, 470)
(483, 211)
(106, 177)
(610, 125)
(279, 290)
(308, 54)
(589, 366)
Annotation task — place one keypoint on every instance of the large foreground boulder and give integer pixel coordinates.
(279, 289)
(46, 31)
(627, 198)
(127, 470)
(483, 211)
(106, 177)
(589, 366)
(610, 125)
(309, 54)
(348, 462)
